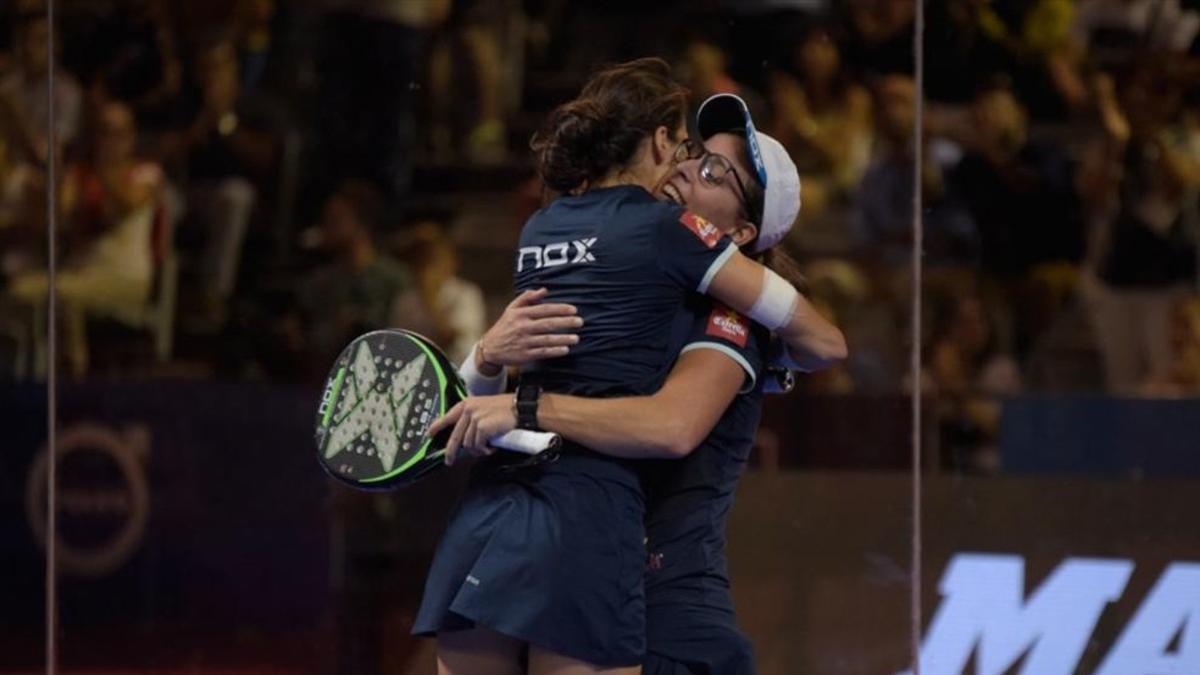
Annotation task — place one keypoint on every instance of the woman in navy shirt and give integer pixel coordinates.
(549, 557)
(699, 420)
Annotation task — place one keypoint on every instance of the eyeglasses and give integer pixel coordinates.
(713, 169)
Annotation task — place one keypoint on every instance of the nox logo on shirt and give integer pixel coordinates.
(552, 255)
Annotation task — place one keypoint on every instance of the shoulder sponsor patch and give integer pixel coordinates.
(704, 230)
(728, 325)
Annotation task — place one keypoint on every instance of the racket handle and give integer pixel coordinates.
(526, 441)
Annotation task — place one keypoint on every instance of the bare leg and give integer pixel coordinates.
(542, 662)
(223, 209)
(441, 74)
(485, 56)
(234, 204)
(478, 651)
(487, 143)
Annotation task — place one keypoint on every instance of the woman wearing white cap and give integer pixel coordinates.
(706, 414)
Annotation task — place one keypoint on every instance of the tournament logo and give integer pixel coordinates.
(103, 500)
(729, 325)
(704, 230)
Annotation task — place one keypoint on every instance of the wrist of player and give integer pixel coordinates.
(500, 421)
(487, 367)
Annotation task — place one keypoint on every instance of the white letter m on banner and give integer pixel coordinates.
(984, 612)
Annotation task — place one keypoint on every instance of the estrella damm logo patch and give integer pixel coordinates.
(704, 230)
(728, 324)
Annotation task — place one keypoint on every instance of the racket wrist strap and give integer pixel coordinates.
(525, 403)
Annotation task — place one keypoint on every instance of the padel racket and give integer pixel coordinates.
(383, 392)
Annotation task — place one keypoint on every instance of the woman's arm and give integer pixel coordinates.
(745, 285)
(529, 330)
(693, 253)
(667, 424)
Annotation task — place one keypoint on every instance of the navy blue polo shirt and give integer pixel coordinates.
(629, 263)
(688, 500)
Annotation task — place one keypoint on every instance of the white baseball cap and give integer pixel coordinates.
(777, 172)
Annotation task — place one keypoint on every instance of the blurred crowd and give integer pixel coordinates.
(245, 184)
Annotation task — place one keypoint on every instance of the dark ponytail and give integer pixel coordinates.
(584, 140)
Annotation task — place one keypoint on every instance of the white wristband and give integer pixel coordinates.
(776, 303)
(479, 384)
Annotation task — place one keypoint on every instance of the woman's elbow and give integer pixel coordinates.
(678, 440)
(679, 448)
(832, 352)
(835, 348)
(822, 354)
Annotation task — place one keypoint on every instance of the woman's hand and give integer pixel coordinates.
(527, 331)
(476, 420)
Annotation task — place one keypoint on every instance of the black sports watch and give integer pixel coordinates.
(526, 403)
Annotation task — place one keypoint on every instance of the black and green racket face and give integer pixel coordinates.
(385, 389)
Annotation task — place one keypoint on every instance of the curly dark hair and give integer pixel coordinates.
(583, 140)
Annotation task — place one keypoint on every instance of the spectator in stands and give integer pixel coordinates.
(479, 36)
(957, 56)
(367, 129)
(883, 210)
(23, 93)
(356, 291)
(975, 40)
(442, 305)
(1142, 189)
(881, 36)
(109, 202)
(277, 56)
(1021, 195)
(882, 223)
(254, 36)
(705, 72)
(968, 372)
(1115, 33)
(22, 209)
(139, 61)
(823, 117)
(228, 155)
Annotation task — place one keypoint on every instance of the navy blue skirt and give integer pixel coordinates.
(552, 555)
